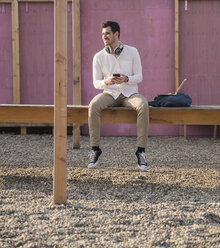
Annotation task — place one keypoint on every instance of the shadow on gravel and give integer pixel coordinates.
(131, 186)
(27, 183)
(155, 186)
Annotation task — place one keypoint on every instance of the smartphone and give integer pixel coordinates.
(116, 74)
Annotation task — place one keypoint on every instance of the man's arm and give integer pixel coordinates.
(137, 76)
(98, 80)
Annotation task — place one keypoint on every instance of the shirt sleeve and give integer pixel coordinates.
(137, 75)
(98, 80)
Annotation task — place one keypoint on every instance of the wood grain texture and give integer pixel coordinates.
(60, 100)
(194, 115)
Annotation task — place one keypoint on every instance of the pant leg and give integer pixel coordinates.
(140, 104)
(98, 103)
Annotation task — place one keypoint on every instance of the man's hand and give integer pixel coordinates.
(115, 80)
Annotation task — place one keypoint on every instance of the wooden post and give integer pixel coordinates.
(60, 100)
(176, 44)
(15, 52)
(16, 56)
(185, 131)
(215, 131)
(77, 99)
(176, 52)
(23, 130)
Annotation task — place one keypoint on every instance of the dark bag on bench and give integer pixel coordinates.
(177, 100)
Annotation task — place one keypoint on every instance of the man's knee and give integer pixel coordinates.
(142, 106)
(95, 105)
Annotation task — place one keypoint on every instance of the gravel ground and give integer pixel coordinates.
(176, 203)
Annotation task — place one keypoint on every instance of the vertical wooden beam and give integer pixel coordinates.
(60, 100)
(176, 44)
(77, 98)
(215, 131)
(23, 130)
(185, 131)
(15, 52)
(16, 56)
(176, 52)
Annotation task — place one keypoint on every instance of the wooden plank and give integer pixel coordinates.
(176, 44)
(6, 1)
(15, 52)
(195, 115)
(60, 100)
(185, 116)
(25, 124)
(77, 95)
(29, 114)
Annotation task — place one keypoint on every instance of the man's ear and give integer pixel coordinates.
(117, 33)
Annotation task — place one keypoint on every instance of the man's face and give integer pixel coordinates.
(108, 37)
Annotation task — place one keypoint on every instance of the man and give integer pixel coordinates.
(117, 70)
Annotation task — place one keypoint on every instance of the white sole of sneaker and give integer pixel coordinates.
(143, 168)
(90, 166)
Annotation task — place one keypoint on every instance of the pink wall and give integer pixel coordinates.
(200, 54)
(200, 50)
(6, 80)
(145, 24)
(37, 52)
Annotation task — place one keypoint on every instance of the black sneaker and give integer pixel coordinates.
(93, 158)
(142, 162)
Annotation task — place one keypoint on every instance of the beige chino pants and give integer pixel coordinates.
(103, 101)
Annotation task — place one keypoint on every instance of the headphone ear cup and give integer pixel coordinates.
(119, 49)
(108, 49)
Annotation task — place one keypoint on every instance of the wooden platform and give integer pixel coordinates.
(194, 115)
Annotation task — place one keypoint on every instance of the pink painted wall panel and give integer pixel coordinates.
(37, 53)
(145, 24)
(200, 55)
(200, 50)
(6, 77)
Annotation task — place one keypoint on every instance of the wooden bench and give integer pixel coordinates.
(194, 115)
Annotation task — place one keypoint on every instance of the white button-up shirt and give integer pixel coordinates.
(127, 63)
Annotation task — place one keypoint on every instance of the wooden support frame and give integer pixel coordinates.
(60, 100)
(15, 52)
(16, 56)
(176, 43)
(79, 115)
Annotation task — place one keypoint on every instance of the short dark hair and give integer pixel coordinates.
(113, 25)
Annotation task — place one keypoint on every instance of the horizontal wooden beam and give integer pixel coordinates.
(195, 115)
